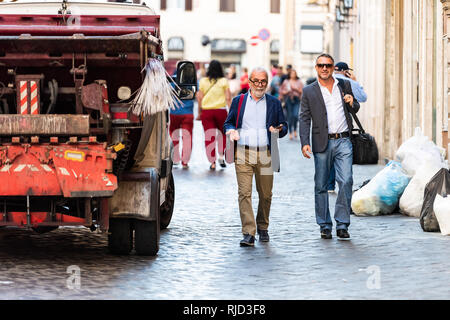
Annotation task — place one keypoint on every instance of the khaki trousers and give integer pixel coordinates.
(249, 163)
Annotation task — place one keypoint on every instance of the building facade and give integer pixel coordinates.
(229, 31)
(246, 33)
(398, 49)
(310, 34)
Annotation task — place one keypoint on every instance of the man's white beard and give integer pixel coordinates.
(258, 93)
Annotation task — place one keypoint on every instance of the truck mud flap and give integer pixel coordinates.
(137, 196)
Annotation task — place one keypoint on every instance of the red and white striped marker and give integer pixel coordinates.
(23, 97)
(33, 96)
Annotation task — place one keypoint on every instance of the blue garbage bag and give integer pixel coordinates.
(382, 194)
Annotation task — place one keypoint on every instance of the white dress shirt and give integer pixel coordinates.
(254, 132)
(337, 123)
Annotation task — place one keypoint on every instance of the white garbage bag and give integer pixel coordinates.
(419, 150)
(421, 159)
(381, 195)
(411, 201)
(441, 209)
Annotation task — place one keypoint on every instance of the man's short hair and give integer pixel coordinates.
(325, 55)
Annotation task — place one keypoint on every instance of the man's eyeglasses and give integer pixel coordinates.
(259, 83)
(327, 65)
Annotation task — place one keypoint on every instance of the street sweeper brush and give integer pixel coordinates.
(156, 93)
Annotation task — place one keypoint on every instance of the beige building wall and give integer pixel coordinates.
(400, 58)
(445, 62)
(362, 41)
(311, 13)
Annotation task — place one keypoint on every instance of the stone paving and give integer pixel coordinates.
(388, 257)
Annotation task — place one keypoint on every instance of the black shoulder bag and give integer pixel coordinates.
(365, 150)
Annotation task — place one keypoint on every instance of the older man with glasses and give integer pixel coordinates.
(254, 124)
(325, 105)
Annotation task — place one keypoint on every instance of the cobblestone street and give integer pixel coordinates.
(388, 257)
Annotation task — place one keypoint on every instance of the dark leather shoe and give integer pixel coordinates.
(263, 235)
(343, 234)
(326, 234)
(248, 241)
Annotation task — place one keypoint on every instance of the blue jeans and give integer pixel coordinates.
(293, 109)
(332, 178)
(340, 154)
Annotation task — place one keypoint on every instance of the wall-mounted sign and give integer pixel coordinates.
(228, 45)
(255, 40)
(264, 34)
(175, 44)
(311, 39)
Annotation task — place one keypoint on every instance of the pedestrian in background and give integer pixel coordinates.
(325, 106)
(181, 127)
(286, 75)
(283, 78)
(342, 71)
(213, 98)
(255, 121)
(274, 70)
(244, 81)
(275, 84)
(235, 84)
(291, 91)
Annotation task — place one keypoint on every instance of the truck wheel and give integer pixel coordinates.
(167, 207)
(146, 233)
(146, 237)
(120, 236)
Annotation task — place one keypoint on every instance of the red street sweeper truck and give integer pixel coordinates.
(84, 112)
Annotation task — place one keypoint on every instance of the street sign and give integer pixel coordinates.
(264, 34)
(255, 40)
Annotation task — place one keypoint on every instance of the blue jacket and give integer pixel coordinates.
(357, 89)
(274, 117)
(183, 108)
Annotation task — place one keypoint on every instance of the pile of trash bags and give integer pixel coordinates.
(416, 184)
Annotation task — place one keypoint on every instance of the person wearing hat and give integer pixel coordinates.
(342, 71)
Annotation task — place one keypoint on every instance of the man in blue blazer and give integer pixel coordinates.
(254, 124)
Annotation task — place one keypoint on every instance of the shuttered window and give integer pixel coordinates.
(227, 6)
(275, 6)
(188, 5)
